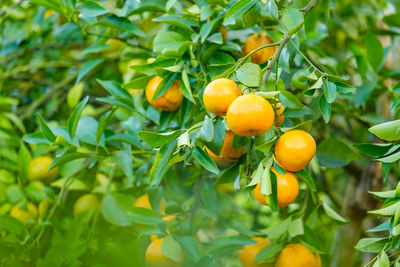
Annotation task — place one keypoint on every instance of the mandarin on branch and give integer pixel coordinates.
(228, 153)
(255, 41)
(249, 253)
(171, 100)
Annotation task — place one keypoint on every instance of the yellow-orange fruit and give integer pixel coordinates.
(249, 253)
(255, 41)
(279, 117)
(219, 94)
(85, 203)
(228, 153)
(37, 169)
(155, 258)
(170, 100)
(144, 202)
(297, 255)
(250, 115)
(287, 187)
(294, 150)
(24, 215)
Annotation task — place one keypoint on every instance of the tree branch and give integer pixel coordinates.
(284, 41)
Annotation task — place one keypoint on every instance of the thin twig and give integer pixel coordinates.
(284, 41)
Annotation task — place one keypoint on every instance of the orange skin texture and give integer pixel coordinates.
(294, 150)
(219, 94)
(249, 253)
(297, 255)
(250, 115)
(144, 202)
(287, 187)
(37, 169)
(85, 203)
(154, 256)
(170, 101)
(255, 41)
(22, 215)
(228, 153)
(279, 117)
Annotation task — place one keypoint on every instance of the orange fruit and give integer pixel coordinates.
(250, 115)
(279, 117)
(24, 215)
(144, 202)
(155, 257)
(85, 203)
(254, 42)
(228, 153)
(287, 187)
(170, 100)
(294, 150)
(249, 253)
(38, 167)
(219, 94)
(297, 255)
(167, 219)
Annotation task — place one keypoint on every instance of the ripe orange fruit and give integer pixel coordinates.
(294, 150)
(297, 255)
(37, 169)
(250, 115)
(155, 257)
(287, 187)
(219, 94)
(144, 202)
(254, 42)
(279, 117)
(171, 100)
(228, 153)
(24, 215)
(249, 253)
(167, 219)
(85, 203)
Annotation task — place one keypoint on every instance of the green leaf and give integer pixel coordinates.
(88, 66)
(114, 209)
(206, 132)
(171, 249)
(375, 52)
(164, 85)
(103, 122)
(95, 48)
(329, 91)
(209, 197)
(387, 131)
(325, 108)
(185, 87)
(237, 10)
(373, 245)
(269, 253)
(121, 24)
(178, 21)
(292, 20)
(229, 175)
(270, 11)
(307, 178)
(75, 94)
(75, 115)
(138, 82)
(113, 88)
(158, 139)
(296, 227)
(249, 74)
(15, 228)
(390, 159)
(143, 216)
(47, 133)
(124, 159)
(204, 159)
(232, 241)
(290, 100)
(160, 167)
(168, 43)
(373, 150)
(335, 153)
(305, 126)
(92, 9)
(386, 211)
(333, 214)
